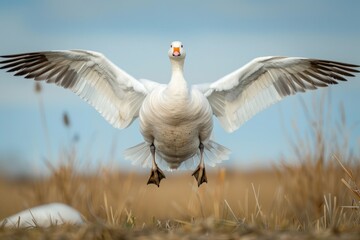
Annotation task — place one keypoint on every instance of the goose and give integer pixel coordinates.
(176, 120)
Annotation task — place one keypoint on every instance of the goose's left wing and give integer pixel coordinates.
(241, 94)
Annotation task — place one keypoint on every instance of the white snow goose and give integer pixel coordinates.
(176, 120)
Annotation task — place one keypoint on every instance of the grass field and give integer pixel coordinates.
(314, 198)
(306, 200)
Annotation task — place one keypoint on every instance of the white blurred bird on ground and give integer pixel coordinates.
(44, 216)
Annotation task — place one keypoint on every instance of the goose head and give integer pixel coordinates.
(176, 51)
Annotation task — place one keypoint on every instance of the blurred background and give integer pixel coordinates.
(219, 36)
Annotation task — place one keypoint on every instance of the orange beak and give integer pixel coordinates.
(176, 51)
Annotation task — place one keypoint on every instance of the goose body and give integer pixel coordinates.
(185, 122)
(176, 120)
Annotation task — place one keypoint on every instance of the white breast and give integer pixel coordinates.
(175, 123)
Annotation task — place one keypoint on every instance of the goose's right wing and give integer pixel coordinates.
(111, 91)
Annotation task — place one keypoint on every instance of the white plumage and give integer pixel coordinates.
(44, 216)
(176, 119)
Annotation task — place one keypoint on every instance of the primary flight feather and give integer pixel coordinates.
(176, 120)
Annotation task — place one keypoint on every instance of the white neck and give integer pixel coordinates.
(178, 82)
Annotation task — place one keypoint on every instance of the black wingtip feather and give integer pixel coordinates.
(348, 67)
(340, 63)
(20, 55)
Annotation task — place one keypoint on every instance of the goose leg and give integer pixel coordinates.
(156, 173)
(199, 173)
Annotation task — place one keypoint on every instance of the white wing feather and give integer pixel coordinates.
(241, 94)
(111, 91)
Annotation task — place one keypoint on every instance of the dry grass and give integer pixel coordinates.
(124, 198)
(318, 197)
(233, 204)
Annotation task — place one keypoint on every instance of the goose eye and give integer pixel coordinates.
(171, 46)
(182, 45)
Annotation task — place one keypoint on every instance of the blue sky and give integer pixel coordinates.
(219, 36)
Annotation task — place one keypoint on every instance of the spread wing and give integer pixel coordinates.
(111, 91)
(241, 94)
